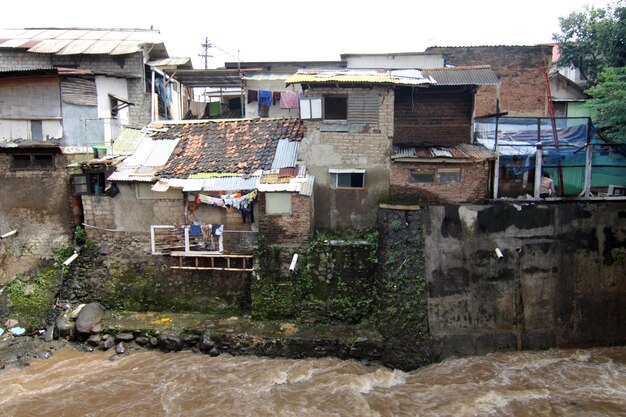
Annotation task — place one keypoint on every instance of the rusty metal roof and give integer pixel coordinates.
(76, 41)
(442, 153)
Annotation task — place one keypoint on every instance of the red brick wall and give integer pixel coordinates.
(520, 70)
(293, 228)
(436, 114)
(472, 188)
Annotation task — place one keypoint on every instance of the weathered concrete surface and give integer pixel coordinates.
(561, 282)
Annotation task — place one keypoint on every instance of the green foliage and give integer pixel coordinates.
(31, 297)
(618, 255)
(80, 236)
(593, 40)
(609, 101)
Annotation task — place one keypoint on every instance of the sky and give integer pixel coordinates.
(281, 30)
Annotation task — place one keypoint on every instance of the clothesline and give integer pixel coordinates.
(235, 200)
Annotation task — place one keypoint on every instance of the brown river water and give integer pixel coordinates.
(589, 382)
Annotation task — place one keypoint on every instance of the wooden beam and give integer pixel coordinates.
(206, 268)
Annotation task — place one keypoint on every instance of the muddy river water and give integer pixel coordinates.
(583, 382)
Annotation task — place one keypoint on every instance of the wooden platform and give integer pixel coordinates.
(211, 260)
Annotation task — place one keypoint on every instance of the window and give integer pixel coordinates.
(278, 203)
(32, 161)
(347, 178)
(438, 175)
(335, 108)
(36, 130)
(311, 108)
(88, 183)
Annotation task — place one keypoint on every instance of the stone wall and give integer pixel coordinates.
(522, 89)
(349, 209)
(36, 203)
(473, 185)
(561, 281)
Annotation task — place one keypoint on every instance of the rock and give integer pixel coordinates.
(120, 348)
(154, 342)
(206, 344)
(44, 355)
(88, 349)
(96, 329)
(89, 316)
(10, 323)
(48, 336)
(124, 337)
(116, 357)
(64, 326)
(141, 340)
(214, 352)
(107, 344)
(170, 342)
(191, 339)
(94, 340)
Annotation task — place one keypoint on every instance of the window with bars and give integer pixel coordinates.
(435, 175)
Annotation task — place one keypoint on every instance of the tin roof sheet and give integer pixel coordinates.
(286, 154)
(151, 153)
(478, 75)
(131, 175)
(303, 186)
(359, 76)
(73, 41)
(127, 141)
(443, 152)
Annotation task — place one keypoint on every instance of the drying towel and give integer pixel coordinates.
(197, 108)
(215, 108)
(289, 100)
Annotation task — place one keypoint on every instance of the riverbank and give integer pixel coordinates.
(121, 331)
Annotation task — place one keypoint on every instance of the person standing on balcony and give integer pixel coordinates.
(547, 186)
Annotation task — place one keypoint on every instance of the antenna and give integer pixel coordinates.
(205, 52)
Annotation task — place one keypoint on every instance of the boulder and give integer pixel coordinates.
(120, 349)
(63, 325)
(124, 337)
(214, 352)
(10, 323)
(94, 340)
(142, 340)
(170, 343)
(89, 316)
(206, 344)
(107, 344)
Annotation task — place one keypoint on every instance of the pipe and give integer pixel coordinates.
(292, 267)
(11, 233)
(70, 259)
(499, 254)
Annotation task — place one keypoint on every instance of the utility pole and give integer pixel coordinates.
(205, 54)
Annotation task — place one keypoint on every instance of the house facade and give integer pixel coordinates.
(81, 86)
(363, 129)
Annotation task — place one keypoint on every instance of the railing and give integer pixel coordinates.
(165, 239)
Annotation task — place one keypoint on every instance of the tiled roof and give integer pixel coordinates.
(226, 146)
(442, 153)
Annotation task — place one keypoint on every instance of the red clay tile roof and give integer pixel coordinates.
(226, 146)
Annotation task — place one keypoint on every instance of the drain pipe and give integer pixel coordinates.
(11, 233)
(72, 258)
(292, 267)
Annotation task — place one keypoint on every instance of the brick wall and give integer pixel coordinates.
(294, 228)
(472, 188)
(437, 114)
(520, 70)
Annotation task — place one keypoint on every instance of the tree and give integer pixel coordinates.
(593, 40)
(609, 100)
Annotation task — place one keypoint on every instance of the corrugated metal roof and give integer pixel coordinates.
(127, 141)
(303, 186)
(131, 175)
(267, 77)
(172, 62)
(359, 76)
(447, 152)
(79, 41)
(479, 75)
(151, 153)
(286, 154)
(208, 184)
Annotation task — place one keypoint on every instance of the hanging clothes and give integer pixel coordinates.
(197, 109)
(215, 108)
(289, 100)
(265, 97)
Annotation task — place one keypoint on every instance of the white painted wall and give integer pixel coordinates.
(252, 109)
(119, 88)
(391, 61)
(20, 129)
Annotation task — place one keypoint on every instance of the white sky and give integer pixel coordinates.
(293, 30)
